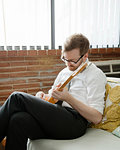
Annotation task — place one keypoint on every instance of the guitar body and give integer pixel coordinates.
(2, 144)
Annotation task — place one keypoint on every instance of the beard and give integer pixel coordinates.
(72, 68)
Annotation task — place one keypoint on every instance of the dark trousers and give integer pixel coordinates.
(24, 116)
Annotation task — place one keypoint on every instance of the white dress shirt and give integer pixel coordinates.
(87, 87)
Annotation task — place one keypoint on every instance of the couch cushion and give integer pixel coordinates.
(94, 139)
(111, 116)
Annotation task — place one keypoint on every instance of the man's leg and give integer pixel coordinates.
(56, 122)
(21, 126)
(17, 102)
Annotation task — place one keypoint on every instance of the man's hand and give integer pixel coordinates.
(40, 94)
(60, 95)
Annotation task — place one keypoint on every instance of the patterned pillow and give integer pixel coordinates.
(117, 132)
(111, 116)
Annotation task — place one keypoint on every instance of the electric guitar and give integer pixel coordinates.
(76, 72)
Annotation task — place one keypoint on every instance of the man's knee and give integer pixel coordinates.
(15, 94)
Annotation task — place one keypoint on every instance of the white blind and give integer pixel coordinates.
(97, 19)
(2, 35)
(27, 22)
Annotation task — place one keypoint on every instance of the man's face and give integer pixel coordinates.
(72, 56)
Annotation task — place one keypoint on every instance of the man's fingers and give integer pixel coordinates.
(40, 94)
(58, 85)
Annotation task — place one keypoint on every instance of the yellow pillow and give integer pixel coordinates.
(111, 116)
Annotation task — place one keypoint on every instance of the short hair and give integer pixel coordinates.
(77, 41)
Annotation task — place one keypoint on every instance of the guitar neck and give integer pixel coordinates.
(73, 74)
(52, 100)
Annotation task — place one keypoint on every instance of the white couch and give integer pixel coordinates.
(94, 139)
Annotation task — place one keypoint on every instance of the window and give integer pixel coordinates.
(25, 22)
(28, 22)
(97, 19)
(2, 31)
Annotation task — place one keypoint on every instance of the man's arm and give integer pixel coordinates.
(86, 111)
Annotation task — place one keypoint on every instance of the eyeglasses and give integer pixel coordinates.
(71, 61)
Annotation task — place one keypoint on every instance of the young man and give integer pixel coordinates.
(25, 116)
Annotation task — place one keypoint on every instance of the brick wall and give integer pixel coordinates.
(33, 70)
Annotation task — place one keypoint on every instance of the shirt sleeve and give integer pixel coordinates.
(96, 91)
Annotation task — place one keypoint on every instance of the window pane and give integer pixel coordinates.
(104, 68)
(27, 22)
(116, 68)
(97, 19)
(2, 37)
